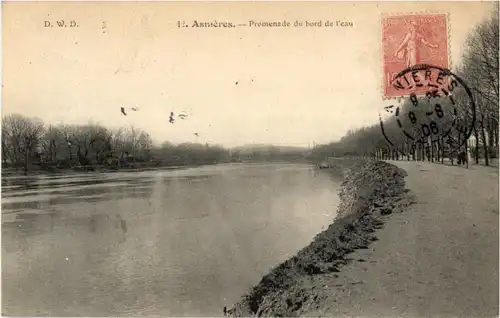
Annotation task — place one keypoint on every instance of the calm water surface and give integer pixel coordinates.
(164, 243)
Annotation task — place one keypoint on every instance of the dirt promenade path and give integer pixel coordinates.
(438, 258)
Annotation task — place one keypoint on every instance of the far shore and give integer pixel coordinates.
(77, 170)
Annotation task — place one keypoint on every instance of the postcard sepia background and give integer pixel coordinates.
(295, 85)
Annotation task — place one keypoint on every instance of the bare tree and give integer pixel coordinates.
(8, 150)
(480, 70)
(135, 142)
(51, 143)
(86, 138)
(132, 141)
(101, 146)
(144, 144)
(22, 136)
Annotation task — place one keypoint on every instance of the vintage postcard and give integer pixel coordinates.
(211, 159)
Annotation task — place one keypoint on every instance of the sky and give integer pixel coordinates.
(295, 86)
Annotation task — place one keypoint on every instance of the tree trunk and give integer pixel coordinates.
(496, 136)
(53, 154)
(438, 151)
(450, 150)
(442, 150)
(4, 151)
(26, 157)
(491, 138)
(466, 154)
(432, 151)
(476, 151)
(485, 146)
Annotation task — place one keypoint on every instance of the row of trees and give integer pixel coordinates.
(28, 140)
(182, 154)
(479, 70)
(28, 143)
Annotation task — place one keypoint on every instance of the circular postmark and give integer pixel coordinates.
(444, 114)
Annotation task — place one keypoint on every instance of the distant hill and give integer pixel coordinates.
(267, 153)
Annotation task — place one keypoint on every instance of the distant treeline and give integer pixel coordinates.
(479, 70)
(29, 144)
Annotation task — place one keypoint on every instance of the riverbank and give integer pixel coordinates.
(53, 171)
(371, 191)
(437, 259)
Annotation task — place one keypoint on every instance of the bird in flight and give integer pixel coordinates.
(196, 134)
(123, 111)
(135, 109)
(182, 116)
(171, 120)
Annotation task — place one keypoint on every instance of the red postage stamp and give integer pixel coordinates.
(410, 40)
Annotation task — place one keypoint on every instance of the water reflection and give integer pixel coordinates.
(48, 197)
(168, 243)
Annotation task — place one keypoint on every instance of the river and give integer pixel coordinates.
(158, 243)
